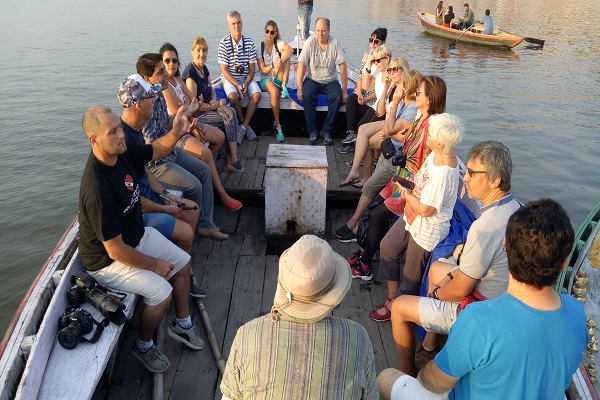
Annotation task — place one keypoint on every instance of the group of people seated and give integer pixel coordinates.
(148, 186)
(445, 17)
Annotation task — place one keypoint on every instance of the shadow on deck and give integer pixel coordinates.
(240, 276)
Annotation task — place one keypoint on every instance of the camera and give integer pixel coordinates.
(73, 324)
(239, 69)
(85, 289)
(398, 159)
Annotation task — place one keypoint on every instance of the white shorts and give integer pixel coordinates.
(437, 315)
(228, 87)
(148, 284)
(408, 388)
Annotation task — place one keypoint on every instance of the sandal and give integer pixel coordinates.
(358, 185)
(348, 182)
(386, 316)
(234, 168)
(234, 205)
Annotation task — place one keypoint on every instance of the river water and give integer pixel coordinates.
(58, 58)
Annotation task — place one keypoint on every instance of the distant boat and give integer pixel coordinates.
(499, 39)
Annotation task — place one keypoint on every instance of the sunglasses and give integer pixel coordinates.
(379, 60)
(269, 32)
(149, 96)
(393, 69)
(472, 172)
(419, 91)
(171, 60)
(374, 41)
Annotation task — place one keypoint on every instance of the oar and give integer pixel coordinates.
(528, 39)
(453, 43)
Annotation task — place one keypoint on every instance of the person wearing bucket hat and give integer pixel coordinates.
(299, 350)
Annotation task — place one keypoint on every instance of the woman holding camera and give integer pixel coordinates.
(430, 100)
(398, 107)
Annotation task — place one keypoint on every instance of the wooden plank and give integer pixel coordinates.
(263, 146)
(260, 174)
(248, 177)
(252, 221)
(270, 284)
(254, 245)
(225, 219)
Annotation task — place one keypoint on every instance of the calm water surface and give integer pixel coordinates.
(58, 58)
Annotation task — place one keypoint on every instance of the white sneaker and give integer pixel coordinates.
(250, 133)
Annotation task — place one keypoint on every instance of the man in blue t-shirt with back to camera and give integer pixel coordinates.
(527, 343)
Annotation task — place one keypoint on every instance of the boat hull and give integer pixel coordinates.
(499, 39)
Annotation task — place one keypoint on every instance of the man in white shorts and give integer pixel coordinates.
(483, 266)
(237, 57)
(115, 247)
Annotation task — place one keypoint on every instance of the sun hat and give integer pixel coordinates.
(134, 88)
(312, 281)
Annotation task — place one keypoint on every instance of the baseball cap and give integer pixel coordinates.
(134, 88)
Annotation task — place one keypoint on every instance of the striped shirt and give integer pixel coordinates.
(330, 359)
(235, 54)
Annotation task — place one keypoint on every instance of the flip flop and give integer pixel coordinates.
(348, 182)
(358, 185)
(234, 205)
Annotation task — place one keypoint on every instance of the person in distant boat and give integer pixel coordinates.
(194, 143)
(318, 60)
(299, 350)
(115, 247)
(468, 19)
(483, 269)
(448, 17)
(237, 57)
(487, 23)
(274, 66)
(362, 103)
(439, 13)
(179, 170)
(527, 343)
(213, 112)
(305, 8)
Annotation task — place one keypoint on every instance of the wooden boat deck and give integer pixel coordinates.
(240, 277)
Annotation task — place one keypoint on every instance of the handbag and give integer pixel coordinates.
(363, 224)
(473, 297)
(387, 148)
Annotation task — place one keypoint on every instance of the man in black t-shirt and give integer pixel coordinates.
(115, 247)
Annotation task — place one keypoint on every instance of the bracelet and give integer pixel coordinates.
(449, 275)
(164, 192)
(434, 293)
(368, 70)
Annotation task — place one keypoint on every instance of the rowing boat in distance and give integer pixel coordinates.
(500, 39)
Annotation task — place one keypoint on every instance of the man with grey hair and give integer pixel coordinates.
(319, 57)
(237, 57)
(481, 269)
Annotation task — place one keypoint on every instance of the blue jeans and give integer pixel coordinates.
(304, 13)
(310, 90)
(192, 177)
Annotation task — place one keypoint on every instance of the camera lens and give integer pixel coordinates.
(69, 336)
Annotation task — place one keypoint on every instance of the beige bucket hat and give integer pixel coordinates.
(313, 280)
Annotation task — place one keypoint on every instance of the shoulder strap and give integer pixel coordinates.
(277, 48)
(262, 50)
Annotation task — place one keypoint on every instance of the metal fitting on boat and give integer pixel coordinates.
(579, 291)
(590, 323)
(592, 372)
(581, 299)
(582, 278)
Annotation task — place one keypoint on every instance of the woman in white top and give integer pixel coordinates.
(177, 93)
(274, 65)
(427, 214)
(371, 135)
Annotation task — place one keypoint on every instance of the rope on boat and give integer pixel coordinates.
(212, 338)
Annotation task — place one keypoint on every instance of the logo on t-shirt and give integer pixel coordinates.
(128, 182)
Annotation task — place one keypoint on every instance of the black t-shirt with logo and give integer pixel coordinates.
(109, 204)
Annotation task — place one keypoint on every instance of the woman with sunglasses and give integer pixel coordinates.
(212, 112)
(430, 100)
(361, 104)
(371, 134)
(177, 93)
(274, 65)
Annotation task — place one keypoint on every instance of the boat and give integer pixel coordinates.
(581, 279)
(291, 111)
(500, 39)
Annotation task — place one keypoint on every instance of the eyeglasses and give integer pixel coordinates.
(393, 69)
(376, 42)
(269, 32)
(419, 91)
(171, 60)
(472, 172)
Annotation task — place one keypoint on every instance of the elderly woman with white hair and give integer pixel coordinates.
(427, 214)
